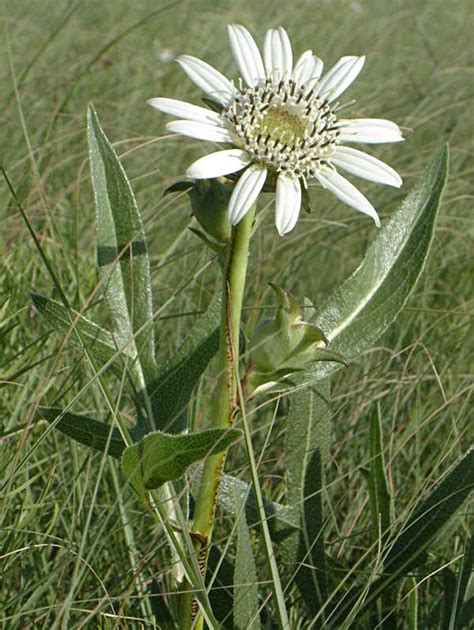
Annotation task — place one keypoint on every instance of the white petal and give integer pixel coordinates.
(316, 74)
(308, 69)
(246, 192)
(288, 203)
(287, 53)
(277, 54)
(201, 131)
(218, 163)
(246, 54)
(365, 166)
(370, 131)
(347, 193)
(272, 64)
(187, 111)
(210, 80)
(303, 67)
(340, 77)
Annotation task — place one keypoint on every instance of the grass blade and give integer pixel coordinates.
(280, 604)
(432, 515)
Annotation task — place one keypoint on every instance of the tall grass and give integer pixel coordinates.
(73, 547)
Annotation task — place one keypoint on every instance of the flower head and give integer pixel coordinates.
(280, 121)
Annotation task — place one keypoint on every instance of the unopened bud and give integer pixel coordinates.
(285, 340)
(209, 201)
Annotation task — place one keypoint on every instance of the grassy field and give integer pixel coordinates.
(71, 543)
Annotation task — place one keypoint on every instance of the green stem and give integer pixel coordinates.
(224, 403)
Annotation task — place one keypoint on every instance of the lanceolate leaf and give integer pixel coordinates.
(161, 457)
(85, 430)
(221, 594)
(246, 615)
(380, 504)
(176, 380)
(307, 443)
(86, 334)
(122, 253)
(363, 307)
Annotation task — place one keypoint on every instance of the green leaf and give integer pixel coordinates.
(177, 379)
(467, 615)
(307, 444)
(85, 430)
(220, 572)
(83, 333)
(432, 515)
(122, 253)
(380, 511)
(246, 602)
(380, 503)
(449, 590)
(161, 457)
(412, 604)
(466, 574)
(363, 307)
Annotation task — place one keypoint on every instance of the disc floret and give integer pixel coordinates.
(285, 126)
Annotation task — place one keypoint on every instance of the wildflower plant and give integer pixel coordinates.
(282, 130)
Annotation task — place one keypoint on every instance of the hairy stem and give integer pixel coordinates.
(224, 402)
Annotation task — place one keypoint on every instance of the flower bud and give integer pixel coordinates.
(285, 345)
(209, 201)
(285, 340)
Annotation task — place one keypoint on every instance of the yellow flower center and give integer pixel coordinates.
(281, 125)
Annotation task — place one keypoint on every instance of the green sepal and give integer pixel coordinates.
(179, 186)
(216, 107)
(312, 335)
(264, 382)
(305, 200)
(215, 247)
(326, 354)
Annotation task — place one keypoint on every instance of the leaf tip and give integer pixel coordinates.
(38, 300)
(91, 110)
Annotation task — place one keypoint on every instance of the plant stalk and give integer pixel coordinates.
(224, 403)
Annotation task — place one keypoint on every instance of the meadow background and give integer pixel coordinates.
(70, 536)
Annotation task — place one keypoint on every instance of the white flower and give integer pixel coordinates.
(281, 120)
